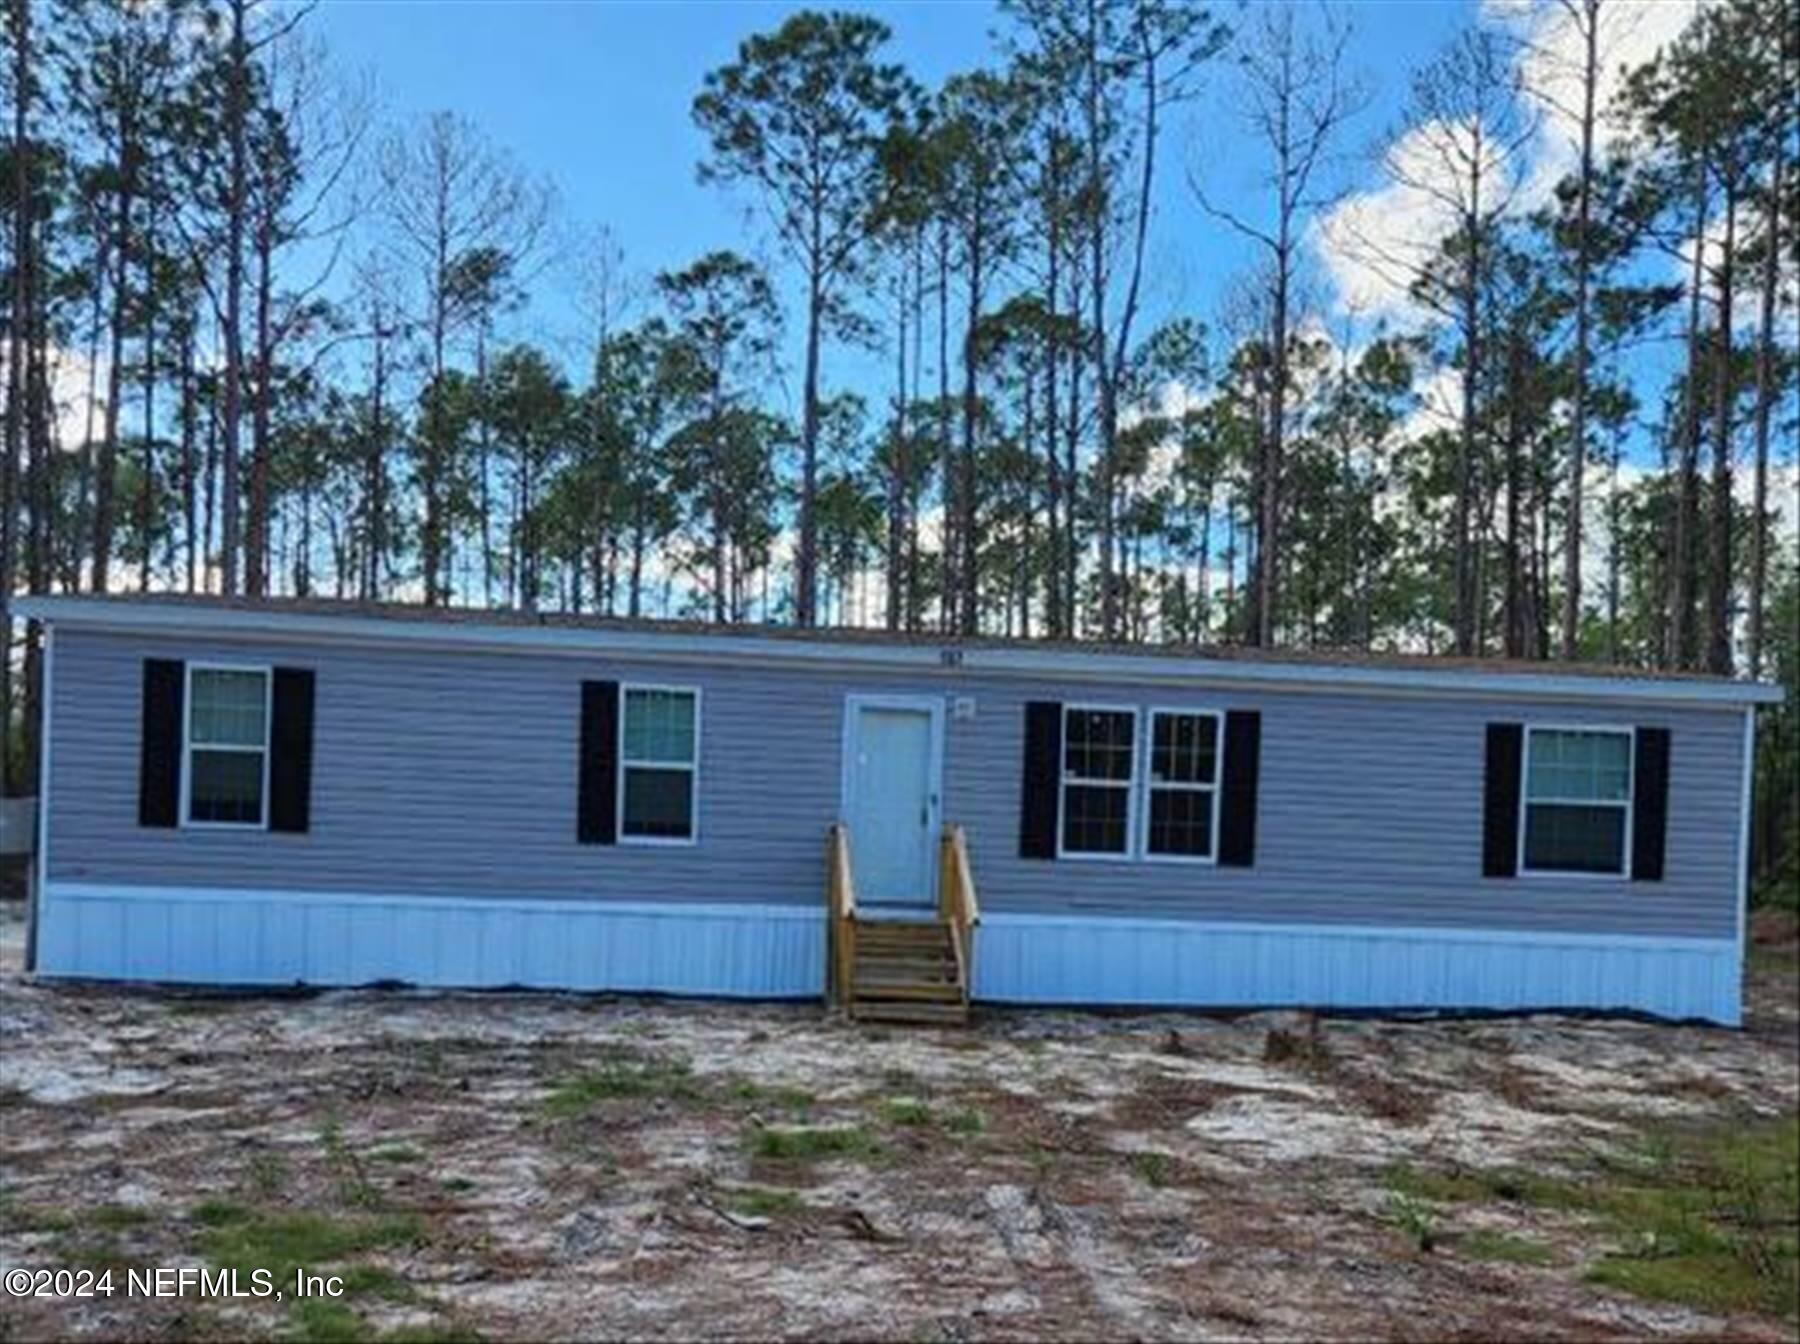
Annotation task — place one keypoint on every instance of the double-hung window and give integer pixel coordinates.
(1098, 780)
(659, 754)
(226, 751)
(1183, 787)
(1577, 800)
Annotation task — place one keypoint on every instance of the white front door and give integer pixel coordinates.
(892, 761)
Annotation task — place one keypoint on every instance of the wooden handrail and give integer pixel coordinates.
(840, 913)
(843, 885)
(958, 906)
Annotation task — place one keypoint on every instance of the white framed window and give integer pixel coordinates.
(1098, 792)
(1577, 801)
(1181, 785)
(225, 746)
(659, 764)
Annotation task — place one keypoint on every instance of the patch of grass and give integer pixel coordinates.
(622, 1076)
(219, 1213)
(968, 1122)
(353, 1183)
(82, 1251)
(1708, 1217)
(322, 1320)
(1714, 1280)
(117, 1217)
(1486, 1244)
(805, 1144)
(1155, 1170)
(796, 1099)
(1481, 1185)
(34, 1218)
(326, 1320)
(1414, 1217)
(364, 1280)
(396, 1154)
(282, 1243)
(762, 1202)
(907, 1111)
(267, 1174)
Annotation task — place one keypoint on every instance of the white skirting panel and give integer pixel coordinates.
(1172, 963)
(222, 937)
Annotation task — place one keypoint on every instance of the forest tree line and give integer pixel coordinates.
(258, 341)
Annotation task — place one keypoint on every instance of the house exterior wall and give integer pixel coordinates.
(450, 777)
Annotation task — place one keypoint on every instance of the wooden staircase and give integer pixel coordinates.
(907, 972)
(891, 970)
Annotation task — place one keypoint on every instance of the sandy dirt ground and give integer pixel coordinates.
(534, 1166)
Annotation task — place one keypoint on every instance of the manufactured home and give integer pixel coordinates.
(329, 793)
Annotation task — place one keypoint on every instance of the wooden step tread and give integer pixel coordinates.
(875, 933)
(913, 967)
(905, 989)
(924, 1014)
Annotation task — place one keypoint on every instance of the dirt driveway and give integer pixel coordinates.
(537, 1166)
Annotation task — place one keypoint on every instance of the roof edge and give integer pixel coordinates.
(104, 613)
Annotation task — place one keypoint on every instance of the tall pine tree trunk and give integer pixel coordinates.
(1765, 397)
(1718, 574)
(968, 568)
(237, 114)
(107, 468)
(1515, 615)
(146, 501)
(256, 535)
(806, 573)
(1682, 641)
(897, 471)
(189, 492)
(18, 385)
(1571, 613)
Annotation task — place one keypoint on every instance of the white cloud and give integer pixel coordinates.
(1372, 239)
(70, 376)
(1552, 59)
(1372, 243)
(1440, 402)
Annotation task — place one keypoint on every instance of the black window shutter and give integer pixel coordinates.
(159, 760)
(597, 801)
(1500, 807)
(1650, 804)
(1237, 800)
(291, 750)
(1040, 779)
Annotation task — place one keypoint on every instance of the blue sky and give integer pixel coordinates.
(595, 96)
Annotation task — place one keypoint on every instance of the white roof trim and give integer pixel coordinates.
(998, 660)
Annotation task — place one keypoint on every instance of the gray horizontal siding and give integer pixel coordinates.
(454, 774)
(1370, 811)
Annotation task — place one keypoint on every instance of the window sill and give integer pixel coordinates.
(658, 842)
(1094, 856)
